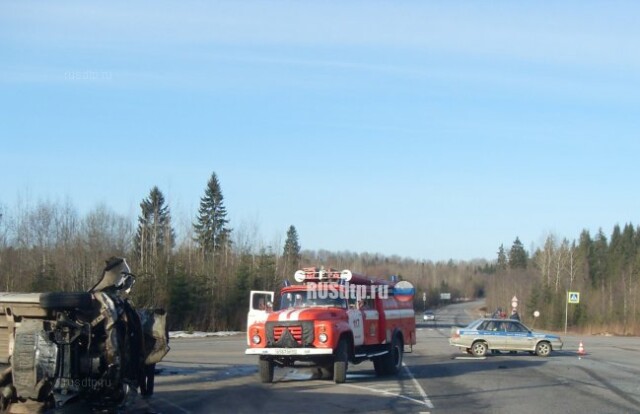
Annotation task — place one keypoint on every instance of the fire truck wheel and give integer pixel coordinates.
(390, 363)
(395, 356)
(340, 362)
(266, 370)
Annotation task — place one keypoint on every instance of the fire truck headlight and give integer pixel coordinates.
(323, 337)
(256, 339)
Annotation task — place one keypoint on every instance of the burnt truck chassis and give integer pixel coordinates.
(65, 346)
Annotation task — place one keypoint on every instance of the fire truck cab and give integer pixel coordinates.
(331, 319)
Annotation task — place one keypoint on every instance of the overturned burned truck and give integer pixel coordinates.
(60, 347)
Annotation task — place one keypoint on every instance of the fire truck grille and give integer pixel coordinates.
(295, 331)
(289, 334)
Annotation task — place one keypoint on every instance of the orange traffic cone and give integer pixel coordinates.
(581, 350)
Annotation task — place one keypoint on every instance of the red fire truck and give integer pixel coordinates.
(330, 319)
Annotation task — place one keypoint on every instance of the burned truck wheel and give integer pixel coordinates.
(340, 362)
(65, 300)
(148, 376)
(266, 370)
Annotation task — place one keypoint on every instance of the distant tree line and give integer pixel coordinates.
(203, 273)
(605, 271)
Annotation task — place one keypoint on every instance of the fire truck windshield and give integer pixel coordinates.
(304, 299)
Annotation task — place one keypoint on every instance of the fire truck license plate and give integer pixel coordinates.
(285, 351)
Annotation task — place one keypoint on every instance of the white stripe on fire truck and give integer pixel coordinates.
(399, 313)
(295, 315)
(292, 315)
(371, 314)
(284, 316)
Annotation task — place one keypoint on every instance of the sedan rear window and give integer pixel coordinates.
(516, 327)
(491, 326)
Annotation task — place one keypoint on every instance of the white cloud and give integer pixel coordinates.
(567, 33)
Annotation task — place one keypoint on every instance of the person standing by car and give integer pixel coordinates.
(514, 315)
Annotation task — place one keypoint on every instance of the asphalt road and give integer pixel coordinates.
(210, 375)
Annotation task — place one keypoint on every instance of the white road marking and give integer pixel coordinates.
(174, 405)
(423, 394)
(351, 375)
(384, 392)
(295, 374)
(394, 392)
(469, 357)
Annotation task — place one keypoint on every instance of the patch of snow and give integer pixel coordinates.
(200, 334)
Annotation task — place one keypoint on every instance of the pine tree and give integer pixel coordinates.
(211, 232)
(502, 259)
(584, 248)
(155, 237)
(291, 253)
(210, 227)
(183, 297)
(517, 255)
(266, 271)
(153, 242)
(244, 278)
(1, 231)
(621, 254)
(598, 260)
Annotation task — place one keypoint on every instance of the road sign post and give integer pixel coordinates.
(574, 298)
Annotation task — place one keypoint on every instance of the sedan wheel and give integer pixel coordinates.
(543, 349)
(479, 349)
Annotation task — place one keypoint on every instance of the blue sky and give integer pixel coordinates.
(431, 130)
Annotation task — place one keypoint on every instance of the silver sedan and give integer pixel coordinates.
(483, 335)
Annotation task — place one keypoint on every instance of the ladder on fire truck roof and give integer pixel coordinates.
(313, 274)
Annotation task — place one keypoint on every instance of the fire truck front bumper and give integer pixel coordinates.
(288, 351)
